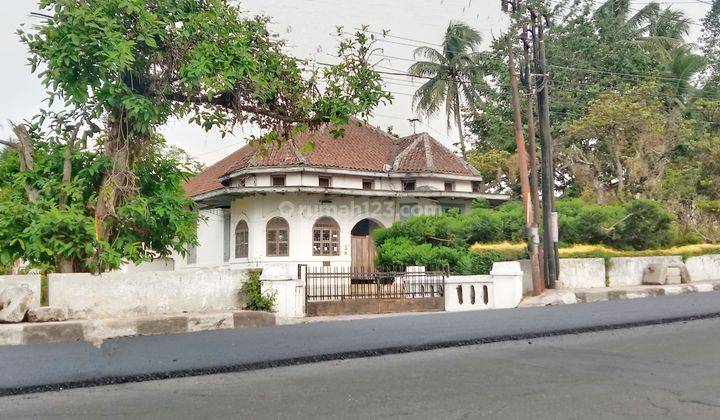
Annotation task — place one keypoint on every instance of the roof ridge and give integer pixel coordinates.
(428, 152)
(460, 159)
(404, 152)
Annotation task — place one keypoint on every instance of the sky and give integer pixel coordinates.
(309, 26)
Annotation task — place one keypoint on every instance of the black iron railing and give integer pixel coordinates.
(340, 283)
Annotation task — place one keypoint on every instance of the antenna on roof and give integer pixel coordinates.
(413, 121)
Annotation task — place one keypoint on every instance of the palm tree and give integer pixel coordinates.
(454, 77)
(681, 67)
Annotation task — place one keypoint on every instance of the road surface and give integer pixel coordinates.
(42, 367)
(662, 371)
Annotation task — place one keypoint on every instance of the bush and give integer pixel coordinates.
(442, 239)
(403, 251)
(251, 294)
(483, 225)
(647, 226)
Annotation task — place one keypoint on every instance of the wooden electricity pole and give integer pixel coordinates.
(550, 238)
(549, 255)
(535, 250)
(523, 171)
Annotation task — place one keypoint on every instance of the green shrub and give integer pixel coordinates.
(403, 251)
(251, 294)
(646, 226)
(483, 225)
(512, 219)
(481, 261)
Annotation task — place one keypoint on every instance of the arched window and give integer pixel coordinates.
(326, 237)
(241, 239)
(277, 238)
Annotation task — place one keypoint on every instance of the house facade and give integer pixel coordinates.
(316, 199)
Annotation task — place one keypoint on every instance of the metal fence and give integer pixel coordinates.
(341, 283)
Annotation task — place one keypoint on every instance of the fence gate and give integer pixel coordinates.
(351, 290)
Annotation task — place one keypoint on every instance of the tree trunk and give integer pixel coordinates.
(458, 122)
(113, 181)
(64, 265)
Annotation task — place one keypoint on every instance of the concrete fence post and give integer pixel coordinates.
(508, 284)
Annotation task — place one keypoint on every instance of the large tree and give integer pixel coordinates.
(452, 75)
(622, 147)
(127, 66)
(49, 185)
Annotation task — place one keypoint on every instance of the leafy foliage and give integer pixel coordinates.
(59, 224)
(125, 67)
(436, 240)
(251, 294)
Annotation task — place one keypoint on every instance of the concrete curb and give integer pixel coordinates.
(635, 292)
(97, 330)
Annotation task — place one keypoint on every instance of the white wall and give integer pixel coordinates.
(628, 271)
(301, 212)
(117, 294)
(704, 267)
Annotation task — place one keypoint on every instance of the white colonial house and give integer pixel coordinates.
(316, 199)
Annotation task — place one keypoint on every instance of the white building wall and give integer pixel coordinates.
(301, 212)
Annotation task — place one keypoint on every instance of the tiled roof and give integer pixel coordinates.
(362, 147)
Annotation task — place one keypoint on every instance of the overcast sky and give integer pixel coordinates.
(309, 27)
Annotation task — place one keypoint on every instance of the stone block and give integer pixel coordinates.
(14, 303)
(213, 321)
(249, 319)
(98, 330)
(31, 281)
(162, 325)
(593, 296)
(655, 273)
(11, 334)
(53, 332)
(674, 275)
(628, 271)
(550, 298)
(47, 314)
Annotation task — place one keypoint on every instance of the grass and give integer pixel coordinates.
(601, 251)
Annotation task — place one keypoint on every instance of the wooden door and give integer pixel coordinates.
(362, 252)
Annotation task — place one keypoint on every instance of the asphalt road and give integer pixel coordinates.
(52, 366)
(663, 371)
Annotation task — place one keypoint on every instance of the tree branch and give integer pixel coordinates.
(27, 163)
(225, 102)
(10, 144)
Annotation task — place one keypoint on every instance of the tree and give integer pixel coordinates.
(127, 66)
(453, 76)
(622, 147)
(48, 187)
(710, 40)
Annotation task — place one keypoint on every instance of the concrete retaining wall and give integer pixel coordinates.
(119, 294)
(628, 271)
(704, 267)
(574, 273)
(580, 273)
(33, 282)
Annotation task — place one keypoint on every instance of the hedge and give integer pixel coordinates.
(437, 240)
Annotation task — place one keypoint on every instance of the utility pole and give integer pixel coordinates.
(535, 250)
(550, 238)
(523, 169)
(529, 187)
